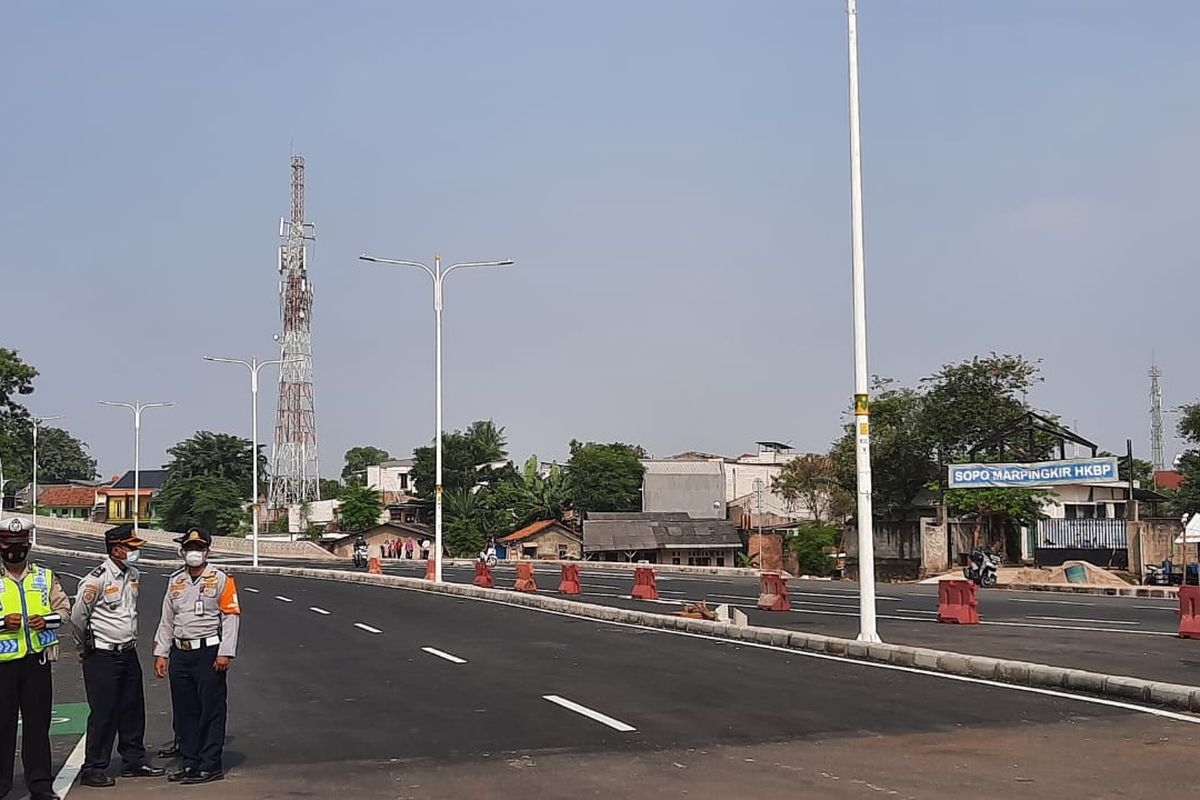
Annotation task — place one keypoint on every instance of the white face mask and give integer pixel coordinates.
(194, 558)
(134, 557)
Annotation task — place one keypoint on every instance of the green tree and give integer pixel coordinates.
(360, 508)
(812, 545)
(219, 455)
(526, 497)
(469, 522)
(605, 477)
(330, 489)
(810, 481)
(1186, 499)
(212, 502)
(464, 453)
(901, 463)
(357, 461)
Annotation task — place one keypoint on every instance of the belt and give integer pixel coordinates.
(124, 647)
(197, 644)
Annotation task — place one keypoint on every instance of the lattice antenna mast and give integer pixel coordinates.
(294, 473)
(1157, 457)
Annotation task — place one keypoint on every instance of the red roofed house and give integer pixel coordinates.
(70, 502)
(547, 538)
(1167, 479)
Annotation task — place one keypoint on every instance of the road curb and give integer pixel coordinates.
(1024, 673)
(1157, 592)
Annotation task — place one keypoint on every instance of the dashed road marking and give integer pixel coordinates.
(322, 611)
(591, 714)
(250, 589)
(283, 599)
(433, 651)
(365, 627)
(1095, 621)
(1049, 602)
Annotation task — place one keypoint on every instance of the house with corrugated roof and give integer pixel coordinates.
(660, 538)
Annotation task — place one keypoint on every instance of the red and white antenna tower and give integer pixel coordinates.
(294, 475)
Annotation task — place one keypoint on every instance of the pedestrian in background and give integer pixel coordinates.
(104, 620)
(33, 605)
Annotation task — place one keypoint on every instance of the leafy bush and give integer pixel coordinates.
(812, 545)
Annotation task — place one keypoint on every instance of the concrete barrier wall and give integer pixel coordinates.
(221, 544)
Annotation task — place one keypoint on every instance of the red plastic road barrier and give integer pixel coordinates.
(1189, 612)
(373, 566)
(773, 593)
(570, 580)
(430, 569)
(525, 581)
(644, 585)
(957, 603)
(483, 575)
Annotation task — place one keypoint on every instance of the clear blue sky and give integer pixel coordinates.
(670, 176)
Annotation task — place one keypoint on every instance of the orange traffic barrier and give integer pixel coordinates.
(1189, 612)
(957, 603)
(483, 575)
(570, 580)
(525, 582)
(773, 593)
(373, 566)
(644, 585)
(430, 570)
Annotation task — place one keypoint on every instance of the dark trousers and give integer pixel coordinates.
(113, 682)
(26, 685)
(198, 698)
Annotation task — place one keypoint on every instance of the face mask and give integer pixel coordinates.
(134, 557)
(15, 554)
(194, 558)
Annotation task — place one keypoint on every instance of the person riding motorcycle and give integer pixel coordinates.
(360, 551)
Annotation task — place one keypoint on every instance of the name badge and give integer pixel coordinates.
(199, 608)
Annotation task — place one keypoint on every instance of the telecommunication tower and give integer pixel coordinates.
(294, 475)
(1156, 422)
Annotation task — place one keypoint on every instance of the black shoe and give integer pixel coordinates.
(179, 775)
(202, 777)
(169, 751)
(97, 780)
(143, 771)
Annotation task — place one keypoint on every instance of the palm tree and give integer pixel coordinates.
(489, 440)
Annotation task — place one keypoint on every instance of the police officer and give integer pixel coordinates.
(105, 623)
(33, 606)
(196, 643)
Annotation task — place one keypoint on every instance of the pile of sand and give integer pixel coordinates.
(1096, 576)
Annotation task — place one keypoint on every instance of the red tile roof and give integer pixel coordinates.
(1167, 479)
(529, 530)
(68, 497)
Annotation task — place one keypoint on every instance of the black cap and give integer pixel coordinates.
(122, 534)
(195, 535)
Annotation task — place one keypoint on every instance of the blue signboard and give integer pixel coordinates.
(1041, 473)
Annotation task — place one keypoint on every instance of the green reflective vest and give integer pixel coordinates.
(30, 597)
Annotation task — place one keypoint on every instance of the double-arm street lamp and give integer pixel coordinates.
(137, 409)
(254, 365)
(439, 276)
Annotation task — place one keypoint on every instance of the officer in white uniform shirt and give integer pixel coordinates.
(104, 620)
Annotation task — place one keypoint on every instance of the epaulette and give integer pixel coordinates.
(97, 572)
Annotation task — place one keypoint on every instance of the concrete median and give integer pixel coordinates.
(1118, 687)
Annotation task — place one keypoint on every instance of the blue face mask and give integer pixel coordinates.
(134, 557)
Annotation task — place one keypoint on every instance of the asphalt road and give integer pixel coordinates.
(1117, 635)
(363, 691)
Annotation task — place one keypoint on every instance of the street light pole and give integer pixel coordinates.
(37, 423)
(254, 365)
(137, 409)
(862, 407)
(439, 277)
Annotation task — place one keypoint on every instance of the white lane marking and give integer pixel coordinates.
(319, 610)
(591, 714)
(433, 651)
(1096, 621)
(363, 626)
(1172, 608)
(283, 599)
(1079, 698)
(250, 589)
(64, 563)
(1049, 602)
(70, 769)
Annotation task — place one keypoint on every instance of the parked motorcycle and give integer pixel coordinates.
(1161, 575)
(982, 568)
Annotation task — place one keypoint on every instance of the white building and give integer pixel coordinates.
(392, 477)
